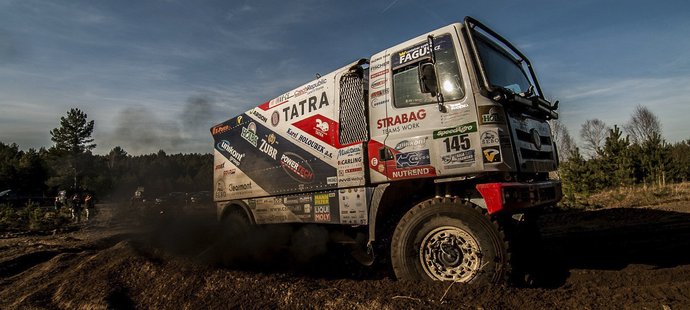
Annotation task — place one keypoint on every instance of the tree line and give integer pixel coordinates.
(613, 157)
(635, 153)
(70, 165)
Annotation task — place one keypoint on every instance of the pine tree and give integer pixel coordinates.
(616, 159)
(72, 149)
(655, 159)
(74, 134)
(679, 170)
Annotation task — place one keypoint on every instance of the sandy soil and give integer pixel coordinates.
(624, 258)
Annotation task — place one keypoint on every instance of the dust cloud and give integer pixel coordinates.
(141, 130)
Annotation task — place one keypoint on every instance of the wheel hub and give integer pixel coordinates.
(449, 253)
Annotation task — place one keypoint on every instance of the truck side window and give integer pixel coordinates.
(406, 84)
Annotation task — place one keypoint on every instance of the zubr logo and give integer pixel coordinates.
(296, 167)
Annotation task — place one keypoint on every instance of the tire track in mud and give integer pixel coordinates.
(608, 259)
(21, 263)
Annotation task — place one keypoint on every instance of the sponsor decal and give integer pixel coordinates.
(311, 104)
(458, 106)
(412, 159)
(491, 155)
(249, 134)
(375, 104)
(235, 156)
(331, 180)
(374, 161)
(352, 170)
(377, 59)
(268, 149)
(349, 151)
(275, 118)
(221, 166)
(219, 129)
(401, 119)
(322, 213)
(296, 167)
(421, 50)
(347, 161)
(321, 128)
(276, 101)
(413, 143)
(240, 187)
(314, 145)
(321, 199)
(415, 53)
(229, 172)
(310, 88)
(416, 172)
(220, 189)
(310, 143)
(378, 93)
(491, 115)
(459, 159)
(289, 200)
(465, 128)
(380, 73)
(379, 65)
(378, 83)
(258, 115)
(271, 138)
(490, 137)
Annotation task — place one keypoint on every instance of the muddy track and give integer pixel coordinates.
(606, 259)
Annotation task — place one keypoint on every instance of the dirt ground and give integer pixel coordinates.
(622, 258)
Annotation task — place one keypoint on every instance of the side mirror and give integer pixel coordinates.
(427, 79)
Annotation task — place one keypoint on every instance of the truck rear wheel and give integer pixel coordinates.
(444, 239)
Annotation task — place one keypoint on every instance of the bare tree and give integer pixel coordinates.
(565, 144)
(593, 133)
(643, 125)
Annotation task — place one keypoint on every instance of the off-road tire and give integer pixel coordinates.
(446, 239)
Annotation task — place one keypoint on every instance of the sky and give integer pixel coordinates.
(158, 74)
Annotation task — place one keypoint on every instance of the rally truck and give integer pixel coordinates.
(421, 155)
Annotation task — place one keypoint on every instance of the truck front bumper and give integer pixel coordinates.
(515, 197)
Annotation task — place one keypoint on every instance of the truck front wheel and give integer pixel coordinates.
(446, 239)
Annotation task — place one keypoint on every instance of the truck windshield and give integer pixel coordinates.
(502, 70)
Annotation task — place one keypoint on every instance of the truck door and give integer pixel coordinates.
(421, 138)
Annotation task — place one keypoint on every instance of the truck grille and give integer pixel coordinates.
(530, 154)
(527, 137)
(533, 156)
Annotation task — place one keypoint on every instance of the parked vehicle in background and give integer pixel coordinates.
(17, 198)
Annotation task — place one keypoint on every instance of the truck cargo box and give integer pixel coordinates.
(293, 143)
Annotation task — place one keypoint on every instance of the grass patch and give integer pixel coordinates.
(32, 217)
(629, 197)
